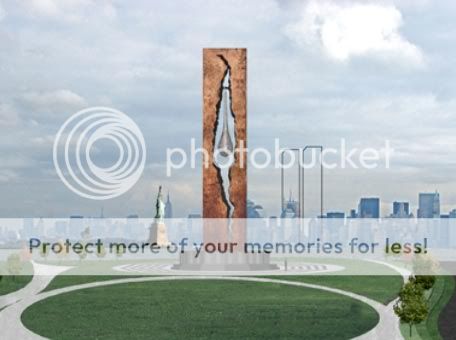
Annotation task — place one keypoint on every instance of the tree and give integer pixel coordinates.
(411, 307)
(426, 281)
(14, 265)
(425, 269)
(424, 264)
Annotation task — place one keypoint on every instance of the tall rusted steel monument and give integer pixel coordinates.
(225, 164)
(225, 140)
(225, 86)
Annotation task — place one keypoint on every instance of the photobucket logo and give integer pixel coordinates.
(260, 158)
(76, 139)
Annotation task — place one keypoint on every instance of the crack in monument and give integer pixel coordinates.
(223, 142)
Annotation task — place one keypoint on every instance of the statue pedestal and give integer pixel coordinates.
(158, 234)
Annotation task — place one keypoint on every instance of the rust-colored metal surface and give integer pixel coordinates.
(214, 69)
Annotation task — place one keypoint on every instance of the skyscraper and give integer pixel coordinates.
(401, 209)
(369, 207)
(353, 213)
(291, 208)
(168, 208)
(453, 213)
(429, 205)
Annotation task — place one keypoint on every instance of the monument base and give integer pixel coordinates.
(158, 234)
(237, 261)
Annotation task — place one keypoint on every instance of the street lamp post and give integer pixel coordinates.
(317, 147)
(282, 179)
(301, 173)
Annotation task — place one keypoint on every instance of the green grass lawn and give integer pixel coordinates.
(102, 271)
(200, 309)
(9, 284)
(383, 289)
(71, 280)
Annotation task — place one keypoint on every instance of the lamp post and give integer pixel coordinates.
(317, 147)
(282, 179)
(301, 173)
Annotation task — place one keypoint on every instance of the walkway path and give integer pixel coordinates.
(12, 327)
(42, 276)
(167, 269)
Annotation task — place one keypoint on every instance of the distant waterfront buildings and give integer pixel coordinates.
(369, 207)
(168, 208)
(401, 210)
(291, 208)
(429, 205)
(335, 214)
(453, 213)
(353, 213)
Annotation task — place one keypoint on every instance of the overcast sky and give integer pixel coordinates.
(318, 71)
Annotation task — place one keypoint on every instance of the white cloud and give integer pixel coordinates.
(7, 175)
(8, 115)
(55, 101)
(44, 7)
(70, 10)
(2, 12)
(345, 31)
(43, 140)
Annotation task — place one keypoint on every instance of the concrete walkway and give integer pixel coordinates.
(42, 276)
(12, 327)
(405, 273)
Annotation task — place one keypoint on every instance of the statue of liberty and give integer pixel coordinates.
(158, 233)
(160, 206)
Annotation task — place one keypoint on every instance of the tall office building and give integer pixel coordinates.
(369, 207)
(291, 208)
(353, 213)
(168, 208)
(429, 205)
(401, 209)
(453, 213)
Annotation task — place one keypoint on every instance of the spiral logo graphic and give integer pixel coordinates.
(76, 140)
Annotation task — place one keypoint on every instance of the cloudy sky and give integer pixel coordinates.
(365, 71)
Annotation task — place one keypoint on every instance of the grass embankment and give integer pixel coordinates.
(438, 297)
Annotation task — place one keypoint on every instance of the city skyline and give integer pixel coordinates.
(366, 209)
